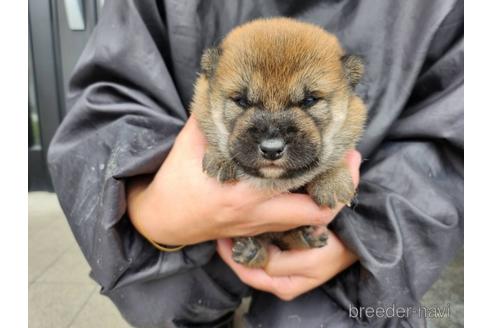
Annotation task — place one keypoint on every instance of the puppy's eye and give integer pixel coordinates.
(241, 101)
(309, 101)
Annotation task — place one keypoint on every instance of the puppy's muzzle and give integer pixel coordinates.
(272, 149)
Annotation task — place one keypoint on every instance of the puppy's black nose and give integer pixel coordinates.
(272, 149)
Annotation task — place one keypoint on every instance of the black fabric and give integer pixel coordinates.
(128, 99)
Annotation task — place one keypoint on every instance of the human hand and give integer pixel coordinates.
(181, 205)
(289, 274)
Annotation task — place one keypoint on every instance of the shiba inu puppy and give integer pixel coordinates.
(275, 101)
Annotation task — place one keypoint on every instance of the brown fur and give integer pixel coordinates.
(259, 82)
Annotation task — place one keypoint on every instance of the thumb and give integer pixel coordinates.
(353, 159)
(191, 139)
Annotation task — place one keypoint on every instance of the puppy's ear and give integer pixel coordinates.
(210, 59)
(353, 67)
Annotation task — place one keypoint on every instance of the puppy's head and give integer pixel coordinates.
(278, 91)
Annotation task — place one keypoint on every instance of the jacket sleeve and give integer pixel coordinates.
(124, 114)
(407, 222)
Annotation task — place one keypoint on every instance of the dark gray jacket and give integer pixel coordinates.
(128, 99)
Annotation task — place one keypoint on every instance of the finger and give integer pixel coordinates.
(293, 262)
(256, 278)
(313, 263)
(284, 287)
(353, 159)
(289, 287)
(292, 210)
(243, 191)
(192, 139)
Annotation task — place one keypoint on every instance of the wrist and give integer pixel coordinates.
(142, 211)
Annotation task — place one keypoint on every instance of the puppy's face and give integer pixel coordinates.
(278, 93)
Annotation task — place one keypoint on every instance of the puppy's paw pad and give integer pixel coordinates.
(346, 194)
(218, 168)
(333, 191)
(325, 199)
(249, 252)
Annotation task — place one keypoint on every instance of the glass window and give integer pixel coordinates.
(34, 130)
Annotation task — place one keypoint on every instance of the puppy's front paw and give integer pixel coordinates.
(217, 167)
(332, 187)
(304, 237)
(250, 252)
(313, 236)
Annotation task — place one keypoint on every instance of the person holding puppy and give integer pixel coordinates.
(128, 100)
